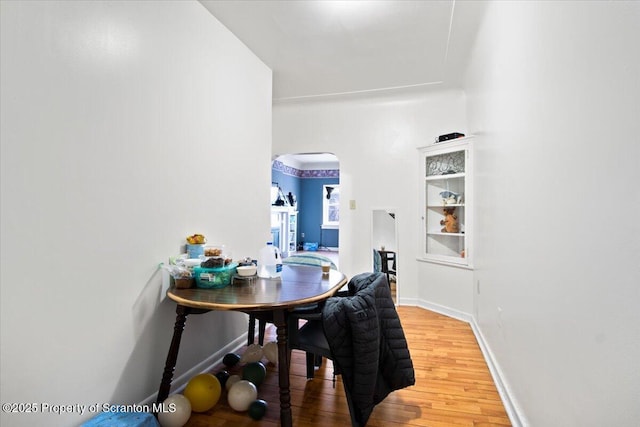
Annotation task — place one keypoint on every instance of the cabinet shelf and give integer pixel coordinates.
(447, 171)
(452, 205)
(445, 177)
(442, 233)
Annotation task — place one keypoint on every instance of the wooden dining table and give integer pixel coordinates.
(297, 286)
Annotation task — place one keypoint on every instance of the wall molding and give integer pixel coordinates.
(310, 173)
(511, 406)
(286, 169)
(441, 309)
(321, 173)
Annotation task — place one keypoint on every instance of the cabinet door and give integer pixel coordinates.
(293, 232)
(446, 199)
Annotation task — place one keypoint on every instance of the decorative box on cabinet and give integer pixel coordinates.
(446, 173)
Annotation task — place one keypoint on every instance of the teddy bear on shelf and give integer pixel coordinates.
(450, 221)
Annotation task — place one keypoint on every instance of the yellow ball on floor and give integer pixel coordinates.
(203, 391)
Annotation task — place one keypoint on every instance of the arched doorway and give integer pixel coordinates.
(308, 185)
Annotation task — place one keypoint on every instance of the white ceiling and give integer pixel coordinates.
(307, 161)
(319, 48)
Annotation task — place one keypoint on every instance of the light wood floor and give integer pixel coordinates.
(453, 385)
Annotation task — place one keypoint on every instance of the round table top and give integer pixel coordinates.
(298, 285)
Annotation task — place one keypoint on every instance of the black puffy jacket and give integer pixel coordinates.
(367, 342)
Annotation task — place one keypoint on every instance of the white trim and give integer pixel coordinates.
(446, 311)
(207, 365)
(435, 260)
(410, 302)
(451, 144)
(514, 412)
(391, 89)
(330, 226)
(510, 404)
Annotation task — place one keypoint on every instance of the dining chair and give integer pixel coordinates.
(310, 337)
(381, 261)
(313, 339)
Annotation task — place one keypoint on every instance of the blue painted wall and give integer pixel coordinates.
(288, 183)
(308, 191)
(310, 221)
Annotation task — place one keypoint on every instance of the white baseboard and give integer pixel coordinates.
(510, 405)
(441, 309)
(179, 383)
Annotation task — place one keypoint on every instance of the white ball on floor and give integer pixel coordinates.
(176, 411)
(231, 381)
(241, 395)
(253, 353)
(270, 350)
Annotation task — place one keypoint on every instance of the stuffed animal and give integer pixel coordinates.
(450, 221)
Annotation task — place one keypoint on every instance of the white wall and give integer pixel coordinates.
(376, 141)
(122, 125)
(553, 94)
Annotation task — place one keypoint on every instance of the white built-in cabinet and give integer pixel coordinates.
(284, 225)
(292, 240)
(447, 202)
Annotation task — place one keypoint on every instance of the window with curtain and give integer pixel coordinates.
(330, 206)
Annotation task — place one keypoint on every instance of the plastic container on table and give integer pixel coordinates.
(214, 278)
(195, 251)
(269, 262)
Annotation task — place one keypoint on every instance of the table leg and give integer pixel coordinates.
(280, 320)
(172, 356)
(251, 335)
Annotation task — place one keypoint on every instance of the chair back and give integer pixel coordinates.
(377, 261)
